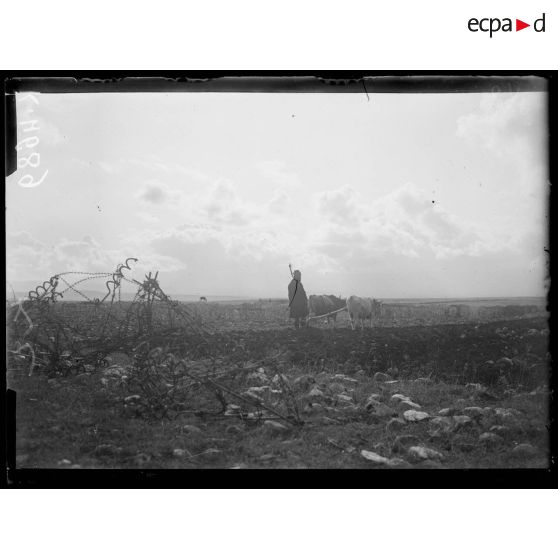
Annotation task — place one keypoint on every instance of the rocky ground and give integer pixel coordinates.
(449, 396)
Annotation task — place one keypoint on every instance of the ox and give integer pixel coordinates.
(325, 304)
(363, 309)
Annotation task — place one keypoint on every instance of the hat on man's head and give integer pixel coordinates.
(297, 275)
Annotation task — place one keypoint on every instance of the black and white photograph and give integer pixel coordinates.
(278, 273)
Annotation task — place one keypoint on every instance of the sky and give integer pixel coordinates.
(389, 196)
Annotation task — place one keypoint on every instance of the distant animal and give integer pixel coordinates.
(325, 304)
(203, 299)
(361, 309)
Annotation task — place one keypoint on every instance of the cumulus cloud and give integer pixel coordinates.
(339, 206)
(403, 223)
(508, 124)
(157, 193)
(29, 258)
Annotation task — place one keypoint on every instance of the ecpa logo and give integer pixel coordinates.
(494, 24)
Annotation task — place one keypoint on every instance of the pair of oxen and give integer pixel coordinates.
(360, 309)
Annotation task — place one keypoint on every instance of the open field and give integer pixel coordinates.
(250, 392)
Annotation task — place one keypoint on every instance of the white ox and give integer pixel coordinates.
(362, 309)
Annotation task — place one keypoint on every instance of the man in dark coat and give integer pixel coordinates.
(298, 301)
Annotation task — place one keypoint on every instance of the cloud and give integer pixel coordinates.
(508, 124)
(28, 258)
(157, 192)
(401, 223)
(340, 206)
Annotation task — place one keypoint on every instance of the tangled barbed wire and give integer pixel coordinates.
(44, 335)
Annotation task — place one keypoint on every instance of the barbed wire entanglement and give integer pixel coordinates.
(49, 335)
(151, 350)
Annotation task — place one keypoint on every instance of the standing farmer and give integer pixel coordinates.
(298, 301)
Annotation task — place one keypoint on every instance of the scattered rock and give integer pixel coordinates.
(395, 425)
(419, 453)
(342, 398)
(488, 412)
(191, 429)
(131, 399)
(344, 378)
(507, 415)
(178, 452)
(409, 405)
(447, 412)
(232, 410)
(381, 377)
(524, 450)
(415, 416)
(473, 412)
(399, 397)
(64, 463)
(473, 387)
(374, 396)
(315, 393)
(275, 427)
(401, 443)
(75, 466)
(490, 439)
(392, 382)
(266, 457)
(240, 466)
(374, 457)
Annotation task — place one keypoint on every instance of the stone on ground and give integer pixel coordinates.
(374, 457)
(415, 416)
(275, 427)
(419, 453)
